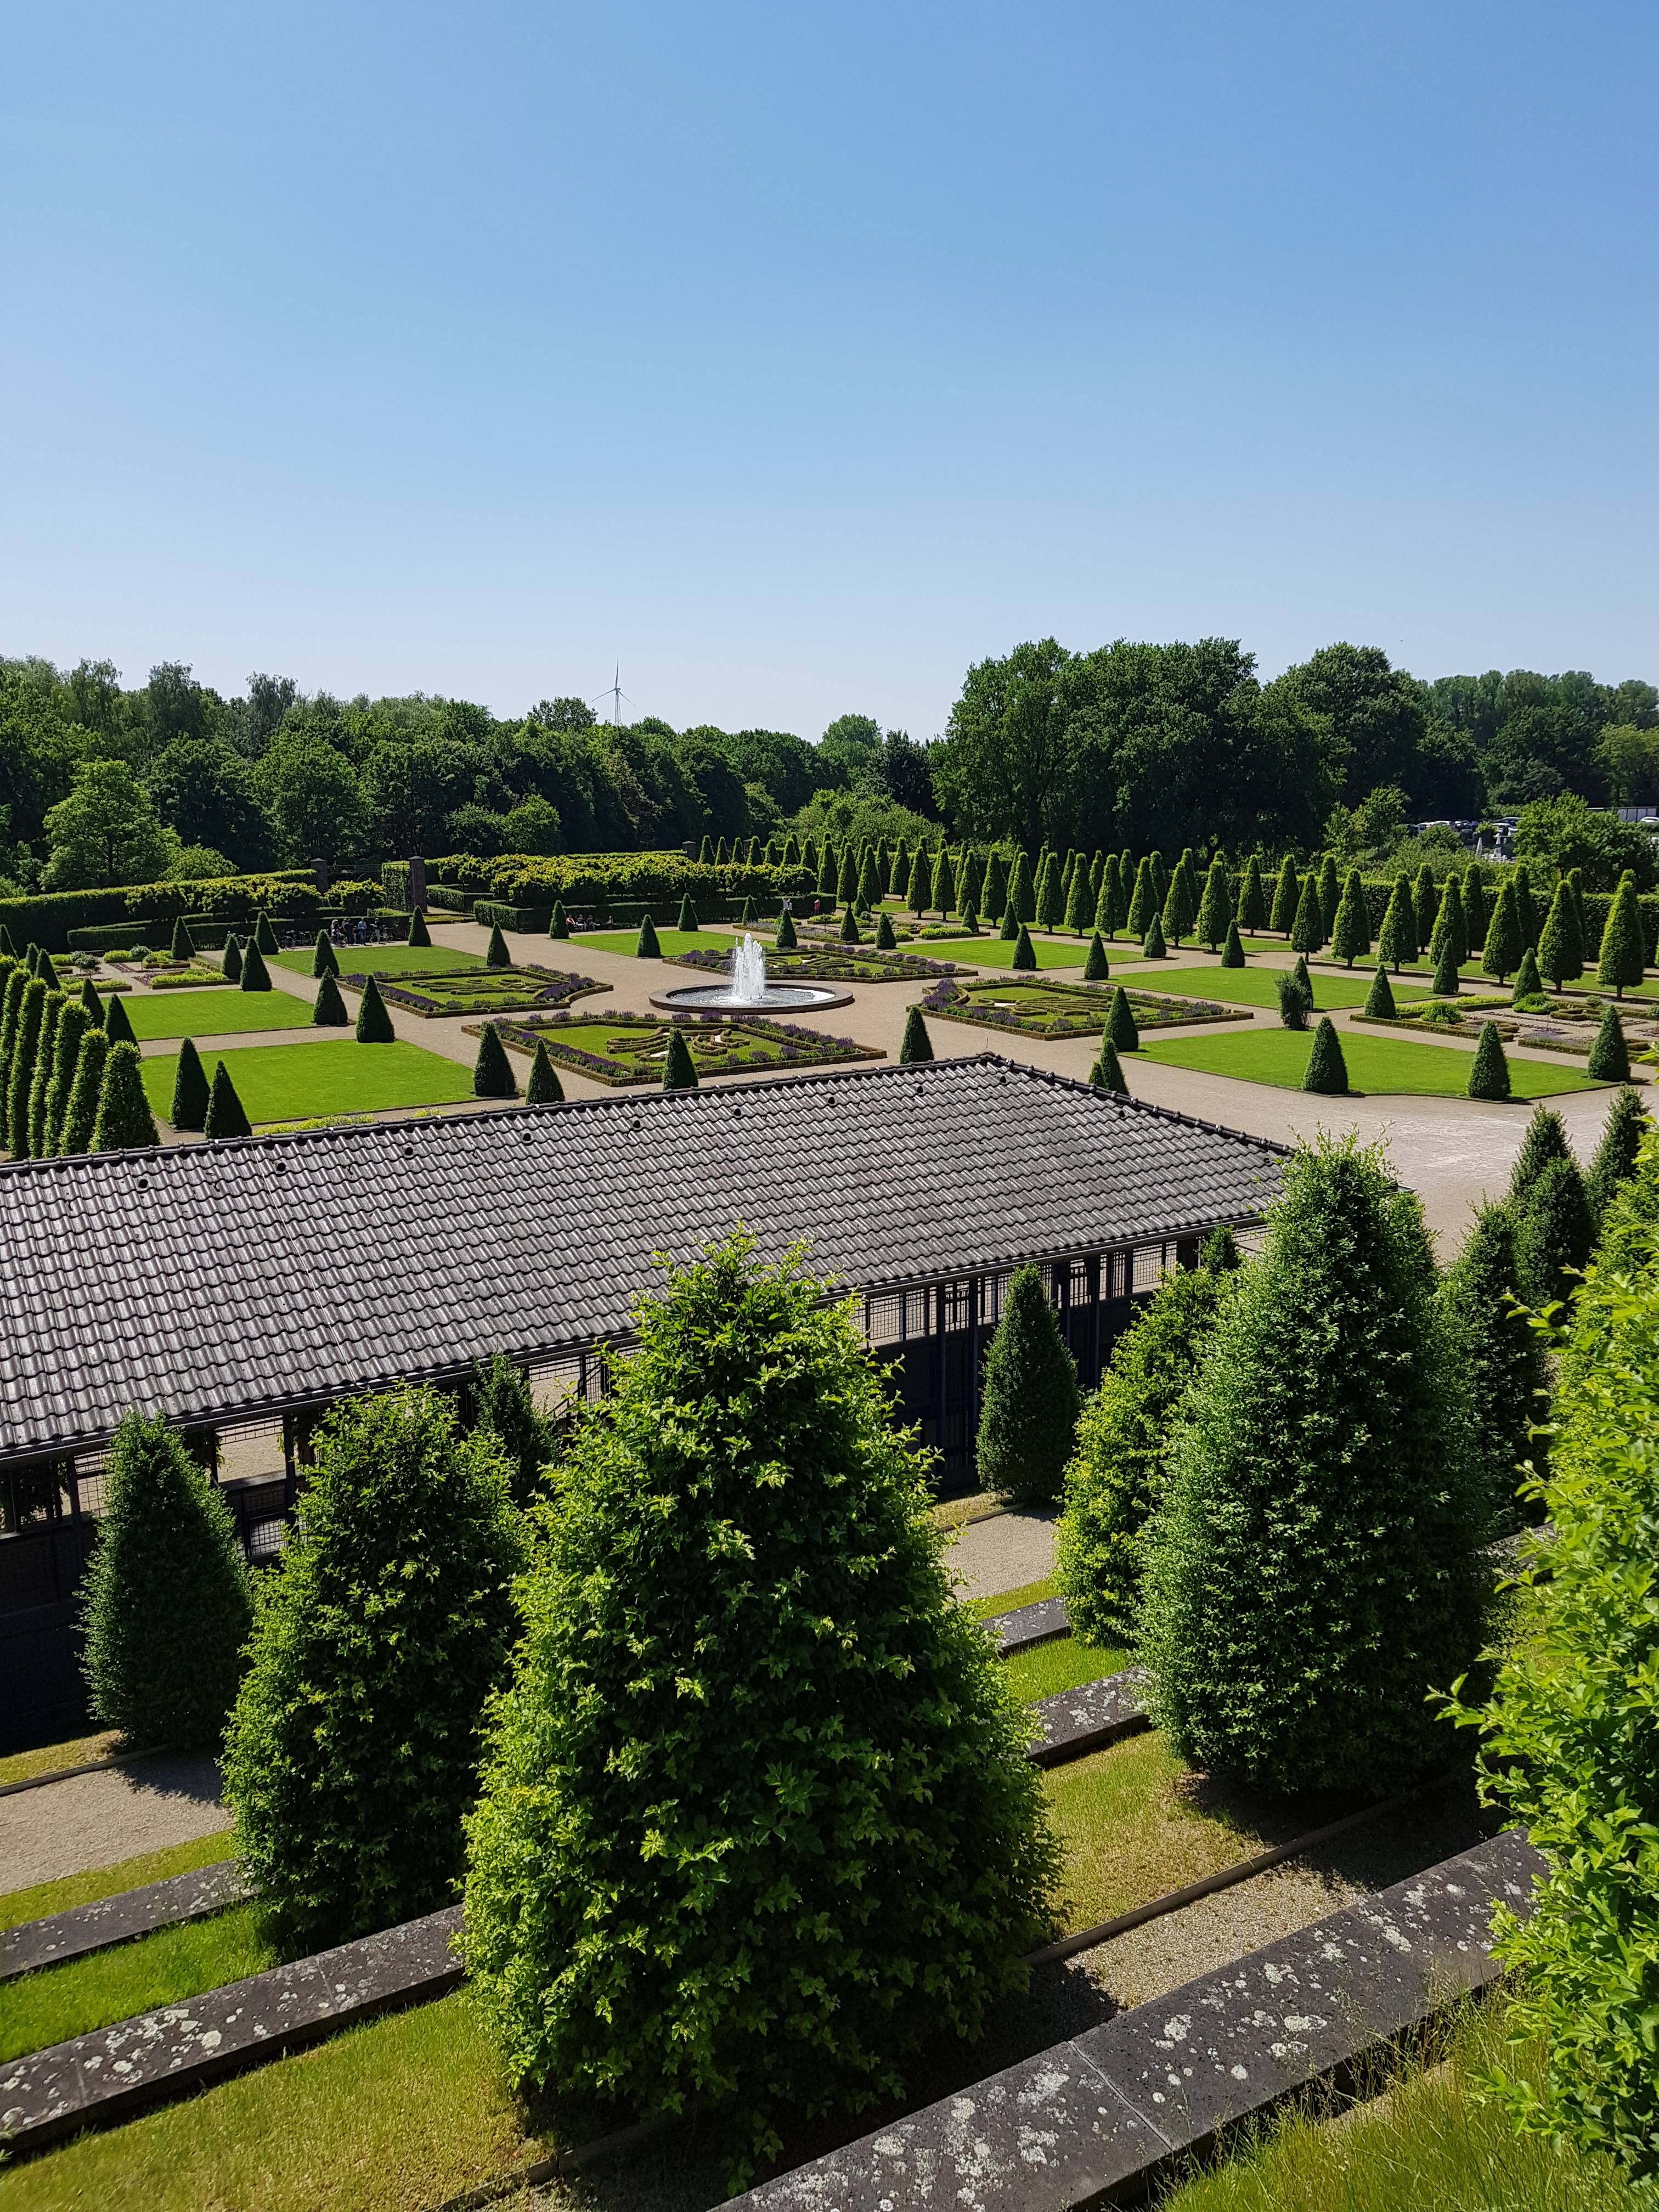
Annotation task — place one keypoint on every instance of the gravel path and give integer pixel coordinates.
(1002, 1552)
(96, 1820)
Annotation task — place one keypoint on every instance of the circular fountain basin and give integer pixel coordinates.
(776, 998)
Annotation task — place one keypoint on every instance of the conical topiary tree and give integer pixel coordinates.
(1379, 999)
(1096, 966)
(1426, 899)
(496, 954)
(743, 1583)
(1504, 947)
(93, 1003)
(1445, 982)
(1627, 1124)
(1252, 916)
(1232, 952)
(1025, 951)
(1051, 902)
(917, 1045)
(19, 1075)
(920, 878)
(1178, 909)
(418, 932)
(48, 974)
(124, 1121)
(847, 877)
(1154, 948)
(688, 921)
(1008, 932)
(1326, 1070)
(1610, 1055)
(183, 946)
(1142, 903)
(352, 1755)
(504, 1411)
(41, 1082)
(1107, 1073)
(264, 937)
(167, 1600)
(1396, 942)
(11, 1013)
(1553, 1233)
(80, 1114)
(1529, 983)
(885, 940)
(993, 897)
(256, 976)
(1449, 938)
(324, 960)
(1560, 944)
(492, 1071)
(1122, 1029)
(646, 946)
(117, 1027)
(705, 852)
(785, 936)
(543, 1088)
(1545, 1139)
(328, 1008)
(1295, 999)
(1476, 916)
(1308, 930)
(1314, 1571)
(1502, 1359)
(1351, 935)
(1489, 1071)
(1623, 957)
(1116, 1473)
(374, 1021)
(1079, 901)
(558, 925)
(72, 1026)
(225, 1115)
(678, 1072)
(1030, 1400)
(190, 1089)
(1288, 898)
(1330, 894)
(850, 931)
(232, 960)
(1110, 905)
(870, 886)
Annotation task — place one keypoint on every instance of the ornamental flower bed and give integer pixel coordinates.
(481, 990)
(827, 963)
(630, 1048)
(1063, 1010)
(1564, 1029)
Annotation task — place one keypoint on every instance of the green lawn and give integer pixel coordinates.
(1066, 1663)
(312, 1080)
(49, 1758)
(990, 951)
(1375, 1064)
(982, 1608)
(1259, 986)
(37, 2010)
(383, 959)
(18, 1906)
(214, 1013)
(672, 941)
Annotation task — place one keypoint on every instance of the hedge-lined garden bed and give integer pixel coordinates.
(1060, 1010)
(482, 990)
(630, 1048)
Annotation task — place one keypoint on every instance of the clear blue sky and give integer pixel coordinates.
(800, 353)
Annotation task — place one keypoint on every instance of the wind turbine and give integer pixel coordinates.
(615, 693)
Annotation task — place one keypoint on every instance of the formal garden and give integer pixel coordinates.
(482, 989)
(1281, 1057)
(317, 1079)
(1059, 1010)
(626, 1048)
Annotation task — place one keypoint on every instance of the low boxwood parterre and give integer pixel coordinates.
(478, 990)
(629, 1048)
(1062, 1010)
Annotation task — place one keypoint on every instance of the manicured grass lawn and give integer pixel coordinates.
(307, 1082)
(982, 1608)
(383, 959)
(671, 941)
(1259, 986)
(1065, 1663)
(18, 1906)
(990, 951)
(398, 2115)
(21, 1766)
(214, 1013)
(1375, 1064)
(39, 2009)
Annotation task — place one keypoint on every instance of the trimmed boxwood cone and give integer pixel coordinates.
(1025, 954)
(1120, 1026)
(264, 937)
(1529, 983)
(1031, 1398)
(1154, 948)
(418, 932)
(1489, 1073)
(917, 1044)
(885, 940)
(970, 920)
(1304, 980)
(1107, 1073)
(324, 960)
(1233, 953)
(543, 1088)
(497, 956)
(1326, 1070)
(232, 960)
(1609, 1056)
(785, 936)
(850, 933)
(1444, 985)
(678, 1071)
(81, 1114)
(687, 913)
(1009, 930)
(492, 1072)
(47, 972)
(373, 1022)
(124, 1121)
(1379, 1002)
(183, 949)
(72, 1026)
(328, 1009)
(556, 925)
(117, 1026)
(92, 1003)
(225, 1115)
(646, 946)
(1096, 966)
(256, 976)
(190, 1090)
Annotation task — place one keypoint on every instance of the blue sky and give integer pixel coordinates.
(800, 354)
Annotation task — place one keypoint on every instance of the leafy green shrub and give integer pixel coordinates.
(558, 926)
(1351, 929)
(1505, 947)
(1444, 983)
(1622, 957)
(19, 1073)
(353, 1752)
(1561, 942)
(917, 1045)
(1308, 930)
(1545, 1139)
(1609, 1055)
(504, 1409)
(1326, 1070)
(72, 1025)
(124, 1122)
(184, 945)
(1569, 1735)
(80, 1114)
(1553, 1233)
(167, 1600)
(190, 1089)
(1029, 1409)
(757, 1820)
(1113, 1480)
(688, 913)
(1489, 1071)
(1502, 1355)
(850, 933)
(1312, 1571)
(1295, 1003)
(1107, 1073)
(226, 1115)
(1627, 1123)
(373, 1022)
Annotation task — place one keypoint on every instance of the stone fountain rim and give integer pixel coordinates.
(673, 1001)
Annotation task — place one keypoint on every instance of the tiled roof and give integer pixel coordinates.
(204, 1280)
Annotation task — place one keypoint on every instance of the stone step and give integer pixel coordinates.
(117, 1919)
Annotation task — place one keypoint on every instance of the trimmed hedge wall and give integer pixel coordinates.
(135, 912)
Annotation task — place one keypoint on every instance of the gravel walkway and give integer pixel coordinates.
(96, 1820)
(1003, 1552)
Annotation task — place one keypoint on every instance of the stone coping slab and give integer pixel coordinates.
(98, 2079)
(117, 1919)
(1099, 2117)
(1084, 1719)
(1043, 1623)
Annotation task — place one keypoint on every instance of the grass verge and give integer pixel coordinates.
(982, 1608)
(1067, 1664)
(48, 1757)
(44, 1898)
(214, 1013)
(1375, 1064)
(383, 959)
(672, 941)
(1259, 986)
(991, 950)
(42, 2008)
(310, 1081)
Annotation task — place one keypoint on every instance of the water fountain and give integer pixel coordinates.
(747, 991)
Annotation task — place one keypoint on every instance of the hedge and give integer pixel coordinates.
(206, 936)
(48, 918)
(594, 879)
